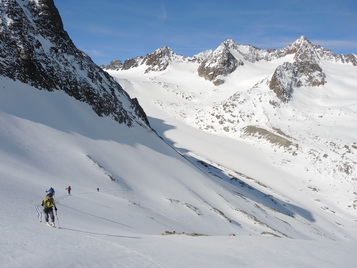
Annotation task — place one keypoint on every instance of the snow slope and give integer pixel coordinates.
(146, 188)
(314, 134)
(198, 200)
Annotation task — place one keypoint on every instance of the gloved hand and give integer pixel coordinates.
(55, 208)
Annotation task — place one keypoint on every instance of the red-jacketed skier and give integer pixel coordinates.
(69, 189)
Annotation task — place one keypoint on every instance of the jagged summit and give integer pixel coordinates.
(303, 50)
(304, 70)
(156, 61)
(300, 63)
(113, 65)
(230, 44)
(220, 62)
(164, 51)
(301, 40)
(160, 59)
(35, 49)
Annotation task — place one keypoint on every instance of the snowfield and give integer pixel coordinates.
(310, 140)
(254, 168)
(146, 188)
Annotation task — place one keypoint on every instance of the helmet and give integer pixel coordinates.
(49, 195)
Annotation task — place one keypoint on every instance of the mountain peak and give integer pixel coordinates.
(39, 52)
(160, 59)
(303, 42)
(165, 50)
(302, 38)
(220, 62)
(230, 43)
(303, 50)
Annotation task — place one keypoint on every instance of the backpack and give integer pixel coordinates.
(48, 203)
(51, 191)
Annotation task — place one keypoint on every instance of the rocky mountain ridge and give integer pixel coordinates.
(302, 70)
(157, 61)
(36, 50)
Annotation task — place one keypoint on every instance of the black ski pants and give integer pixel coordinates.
(49, 213)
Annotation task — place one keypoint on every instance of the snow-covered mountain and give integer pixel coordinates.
(296, 105)
(218, 200)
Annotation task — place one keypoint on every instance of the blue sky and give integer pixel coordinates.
(122, 29)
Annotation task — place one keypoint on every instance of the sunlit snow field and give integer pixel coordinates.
(147, 188)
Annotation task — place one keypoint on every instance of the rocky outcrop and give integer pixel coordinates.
(220, 62)
(113, 65)
(159, 60)
(35, 49)
(131, 63)
(273, 138)
(304, 71)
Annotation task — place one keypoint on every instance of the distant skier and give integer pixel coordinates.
(48, 204)
(51, 191)
(97, 189)
(69, 189)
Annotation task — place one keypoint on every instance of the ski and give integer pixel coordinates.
(51, 225)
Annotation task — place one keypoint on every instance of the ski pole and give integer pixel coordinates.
(58, 225)
(39, 213)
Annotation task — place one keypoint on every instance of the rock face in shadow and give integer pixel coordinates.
(35, 49)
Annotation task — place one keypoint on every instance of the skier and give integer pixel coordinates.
(48, 204)
(51, 191)
(97, 189)
(69, 189)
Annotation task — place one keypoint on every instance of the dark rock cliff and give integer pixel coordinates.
(35, 49)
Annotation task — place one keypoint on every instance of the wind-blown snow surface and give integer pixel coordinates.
(49, 139)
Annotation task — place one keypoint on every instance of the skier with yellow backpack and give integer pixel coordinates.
(48, 204)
